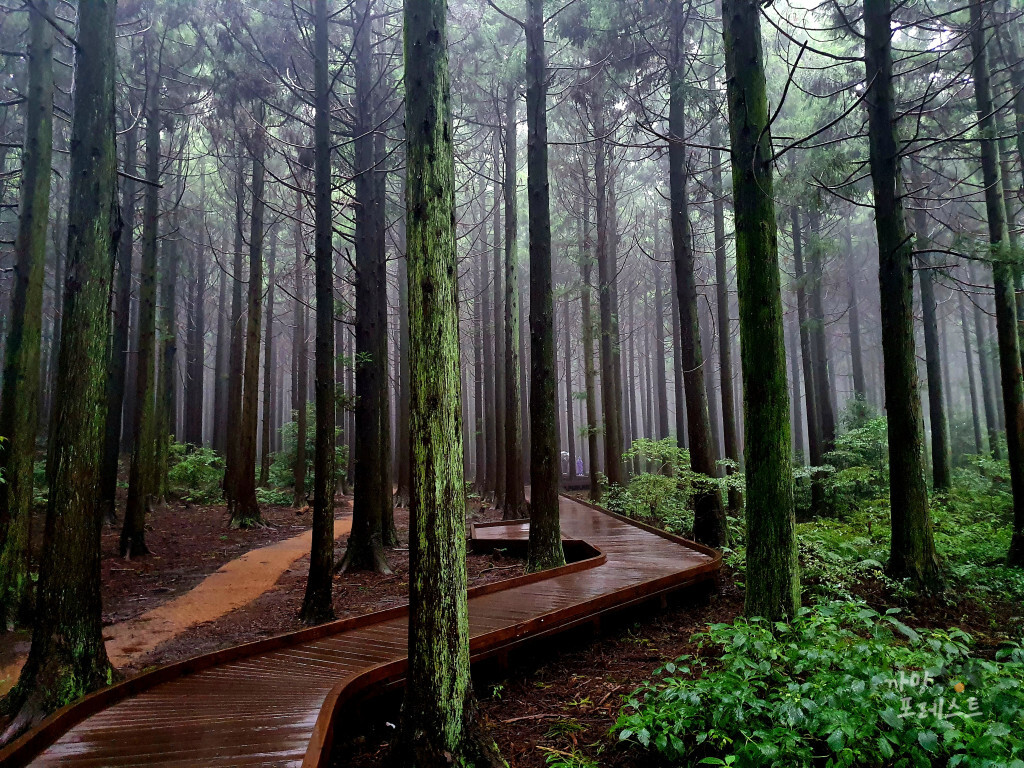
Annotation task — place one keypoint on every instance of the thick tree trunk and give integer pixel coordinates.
(709, 524)
(243, 506)
(19, 401)
(545, 548)
(142, 478)
(438, 726)
(372, 490)
(912, 549)
(316, 605)
(68, 658)
(773, 581)
(118, 364)
(1002, 275)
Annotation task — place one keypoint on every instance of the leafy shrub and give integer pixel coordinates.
(196, 474)
(859, 466)
(282, 467)
(274, 497)
(841, 685)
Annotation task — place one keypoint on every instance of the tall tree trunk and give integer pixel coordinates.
(269, 362)
(912, 548)
(856, 359)
(119, 341)
(812, 392)
(515, 494)
(1002, 276)
(300, 382)
(68, 658)
(589, 372)
(165, 418)
(142, 478)
(500, 379)
(729, 438)
(237, 350)
(196, 343)
(661, 382)
(19, 401)
(316, 604)
(795, 379)
(438, 724)
(709, 523)
(610, 401)
(403, 378)
(545, 548)
(773, 581)
(677, 368)
(822, 374)
(243, 506)
(365, 549)
(972, 388)
(220, 369)
(490, 432)
(480, 464)
(389, 534)
(941, 470)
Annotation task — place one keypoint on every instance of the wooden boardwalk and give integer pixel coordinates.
(273, 702)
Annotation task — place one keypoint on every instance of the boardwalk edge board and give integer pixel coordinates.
(586, 556)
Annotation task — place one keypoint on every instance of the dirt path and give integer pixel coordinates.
(232, 586)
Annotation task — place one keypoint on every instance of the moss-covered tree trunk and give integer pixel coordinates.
(515, 495)
(19, 403)
(912, 549)
(243, 506)
(68, 658)
(545, 548)
(1002, 275)
(316, 605)
(773, 581)
(142, 479)
(438, 716)
(709, 523)
(118, 364)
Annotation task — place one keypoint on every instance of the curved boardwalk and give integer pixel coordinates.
(273, 702)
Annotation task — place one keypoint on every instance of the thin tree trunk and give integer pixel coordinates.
(661, 385)
(237, 350)
(220, 370)
(500, 379)
(196, 343)
(589, 372)
(244, 508)
(822, 374)
(856, 358)
(300, 382)
(165, 418)
(972, 388)
(268, 366)
(985, 374)
(709, 523)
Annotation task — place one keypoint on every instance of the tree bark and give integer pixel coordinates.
(545, 547)
(709, 524)
(589, 372)
(438, 725)
(243, 507)
(68, 658)
(19, 401)
(300, 382)
(142, 479)
(912, 548)
(773, 581)
(972, 388)
(268, 366)
(1002, 276)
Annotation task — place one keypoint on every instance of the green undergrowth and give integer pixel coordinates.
(196, 474)
(841, 685)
